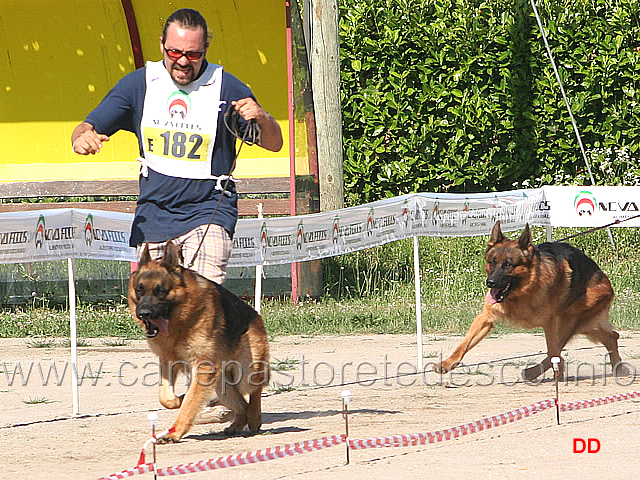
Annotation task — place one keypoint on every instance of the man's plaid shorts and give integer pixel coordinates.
(212, 258)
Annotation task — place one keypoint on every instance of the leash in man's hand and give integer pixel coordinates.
(252, 131)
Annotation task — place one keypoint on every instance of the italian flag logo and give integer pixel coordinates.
(585, 203)
(263, 236)
(88, 229)
(178, 104)
(40, 226)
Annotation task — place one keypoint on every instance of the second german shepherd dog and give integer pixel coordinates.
(202, 329)
(554, 286)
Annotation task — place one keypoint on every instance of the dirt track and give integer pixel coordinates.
(43, 440)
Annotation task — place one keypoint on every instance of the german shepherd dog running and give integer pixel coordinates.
(200, 328)
(554, 286)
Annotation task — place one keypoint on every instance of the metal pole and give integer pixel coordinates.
(74, 337)
(346, 397)
(153, 418)
(416, 274)
(555, 361)
(259, 268)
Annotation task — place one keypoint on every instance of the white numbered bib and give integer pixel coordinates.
(179, 123)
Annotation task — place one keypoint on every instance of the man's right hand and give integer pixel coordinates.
(86, 140)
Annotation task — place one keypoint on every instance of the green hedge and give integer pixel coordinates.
(460, 95)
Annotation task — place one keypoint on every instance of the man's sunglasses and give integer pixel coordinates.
(177, 54)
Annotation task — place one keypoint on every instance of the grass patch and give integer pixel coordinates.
(40, 343)
(102, 320)
(94, 377)
(278, 388)
(80, 342)
(36, 400)
(116, 342)
(284, 365)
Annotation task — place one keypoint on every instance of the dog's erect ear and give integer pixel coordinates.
(525, 238)
(171, 258)
(496, 233)
(496, 236)
(145, 256)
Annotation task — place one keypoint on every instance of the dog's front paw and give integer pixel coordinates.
(173, 435)
(445, 366)
(531, 373)
(234, 429)
(622, 370)
(439, 368)
(171, 438)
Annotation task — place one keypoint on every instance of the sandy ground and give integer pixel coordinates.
(41, 439)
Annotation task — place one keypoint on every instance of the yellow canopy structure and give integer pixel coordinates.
(62, 57)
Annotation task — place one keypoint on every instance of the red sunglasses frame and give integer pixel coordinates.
(178, 54)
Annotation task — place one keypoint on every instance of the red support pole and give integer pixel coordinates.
(292, 144)
(134, 34)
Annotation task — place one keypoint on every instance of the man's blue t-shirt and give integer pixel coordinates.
(170, 206)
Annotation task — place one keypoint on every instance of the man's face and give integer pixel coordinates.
(185, 40)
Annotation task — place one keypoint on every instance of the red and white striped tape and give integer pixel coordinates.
(257, 456)
(245, 458)
(450, 433)
(151, 440)
(273, 453)
(130, 472)
(596, 402)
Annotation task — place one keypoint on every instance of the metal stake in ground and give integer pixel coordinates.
(153, 418)
(555, 361)
(346, 398)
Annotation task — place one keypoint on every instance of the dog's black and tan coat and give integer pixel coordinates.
(202, 329)
(554, 286)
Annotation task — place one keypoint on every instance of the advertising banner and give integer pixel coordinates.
(75, 233)
(580, 206)
(309, 237)
(65, 233)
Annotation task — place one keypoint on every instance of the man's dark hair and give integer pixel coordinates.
(187, 18)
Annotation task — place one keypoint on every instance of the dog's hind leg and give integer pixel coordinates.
(232, 399)
(254, 410)
(602, 332)
(479, 329)
(610, 340)
(228, 391)
(598, 328)
(254, 383)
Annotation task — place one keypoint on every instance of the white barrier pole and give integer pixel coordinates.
(258, 290)
(416, 273)
(73, 337)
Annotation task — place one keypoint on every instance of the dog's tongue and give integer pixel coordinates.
(163, 324)
(490, 298)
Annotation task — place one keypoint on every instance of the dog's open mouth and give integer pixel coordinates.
(497, 295)
(157, 326)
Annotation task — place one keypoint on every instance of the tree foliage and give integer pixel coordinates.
(460, 95)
